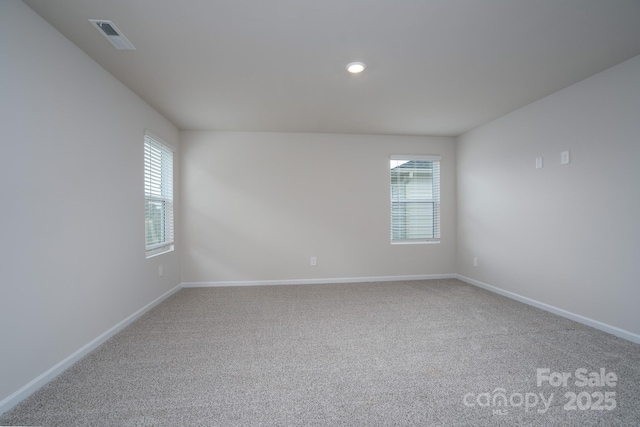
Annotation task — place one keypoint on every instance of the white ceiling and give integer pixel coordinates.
(434, 67)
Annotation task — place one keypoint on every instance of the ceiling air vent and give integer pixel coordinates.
(112, 33)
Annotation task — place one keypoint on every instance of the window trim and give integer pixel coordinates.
(169, 245)
(416, 241)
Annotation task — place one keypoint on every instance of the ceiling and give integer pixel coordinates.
(434, 67)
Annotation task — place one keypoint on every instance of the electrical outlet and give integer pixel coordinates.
(314, 261)
(160, 270)
(475, 261)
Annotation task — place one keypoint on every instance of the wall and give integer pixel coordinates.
(257, 206)
(72, 259)
(564, 235)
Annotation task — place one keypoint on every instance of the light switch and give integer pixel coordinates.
(538, 162)
(564, 158)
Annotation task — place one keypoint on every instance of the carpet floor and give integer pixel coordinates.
(430, 352)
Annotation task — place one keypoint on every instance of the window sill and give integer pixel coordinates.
(415, 242)
(159, 251)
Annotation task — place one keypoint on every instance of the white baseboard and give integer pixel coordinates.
(317, 281)
(25, 391)
(613, 330)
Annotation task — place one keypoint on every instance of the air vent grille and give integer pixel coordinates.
(107, 29)
(113, 34)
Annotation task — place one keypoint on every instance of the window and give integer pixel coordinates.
(158, 196)
(415, 199)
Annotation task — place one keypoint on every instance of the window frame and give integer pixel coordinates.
(435, 199)
(167, 244)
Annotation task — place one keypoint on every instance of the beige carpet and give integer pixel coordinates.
(437, 352)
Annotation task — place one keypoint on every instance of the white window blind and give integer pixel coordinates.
(415, 199)
(158, 194)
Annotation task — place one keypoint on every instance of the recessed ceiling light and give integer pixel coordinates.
(356, 67)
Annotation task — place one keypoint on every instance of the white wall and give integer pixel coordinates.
(257, 206)
(564, 235)
(72, 259)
